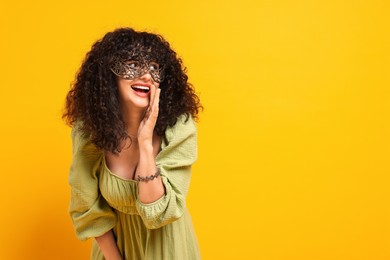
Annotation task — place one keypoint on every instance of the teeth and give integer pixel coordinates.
(141, 87)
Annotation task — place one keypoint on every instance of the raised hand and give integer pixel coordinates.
(146, 127)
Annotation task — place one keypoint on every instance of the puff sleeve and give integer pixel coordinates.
(178, 153)
(90, 213)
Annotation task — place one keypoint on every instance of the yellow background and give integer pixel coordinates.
(293, 143)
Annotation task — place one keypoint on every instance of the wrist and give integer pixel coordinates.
(145, 147)
(148, 178)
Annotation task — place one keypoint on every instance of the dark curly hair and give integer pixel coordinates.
(93, 99)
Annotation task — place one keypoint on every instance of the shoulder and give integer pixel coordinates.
(179, 144)
(77, 134)
(81, 141)
(185, 127)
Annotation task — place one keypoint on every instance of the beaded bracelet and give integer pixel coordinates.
(149, 178)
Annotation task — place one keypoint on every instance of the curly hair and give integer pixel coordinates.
(93, 99)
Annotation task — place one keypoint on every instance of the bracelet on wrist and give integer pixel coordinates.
(149, 178)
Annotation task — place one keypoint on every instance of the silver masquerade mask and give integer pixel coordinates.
(131, 65)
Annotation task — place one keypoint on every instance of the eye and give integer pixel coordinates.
(153, 66)
(133, 64)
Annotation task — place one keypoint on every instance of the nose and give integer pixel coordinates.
(146, 76)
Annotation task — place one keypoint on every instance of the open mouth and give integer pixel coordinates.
(141, 89)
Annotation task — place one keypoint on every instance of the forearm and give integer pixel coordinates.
(108, 246)
(151, 190)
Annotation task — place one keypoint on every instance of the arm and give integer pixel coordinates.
(162, 200)
(108, 246)
(150, 191)
(91, 215)
(179, 152)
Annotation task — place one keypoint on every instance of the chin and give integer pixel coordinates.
(137, 103)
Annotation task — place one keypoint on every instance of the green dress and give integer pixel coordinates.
(101, 200)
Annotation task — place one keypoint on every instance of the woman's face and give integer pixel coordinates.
(138, 76)
(137, 92)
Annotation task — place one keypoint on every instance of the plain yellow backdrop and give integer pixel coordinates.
(293, 143)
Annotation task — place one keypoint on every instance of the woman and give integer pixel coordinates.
(134, 141)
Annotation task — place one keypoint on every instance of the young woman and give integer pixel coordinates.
(132, 114)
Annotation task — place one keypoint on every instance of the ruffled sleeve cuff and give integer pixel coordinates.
(163, 211)
(95, 222)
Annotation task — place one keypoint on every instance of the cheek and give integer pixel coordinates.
(124, 83)
(123, 88)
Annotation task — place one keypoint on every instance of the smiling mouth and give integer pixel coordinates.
(141, 89)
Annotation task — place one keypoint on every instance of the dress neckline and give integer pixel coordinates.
(105, 167)
(113, 174)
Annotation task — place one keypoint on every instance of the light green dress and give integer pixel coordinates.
(101, 201)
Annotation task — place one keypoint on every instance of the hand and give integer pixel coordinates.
(146, 127)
